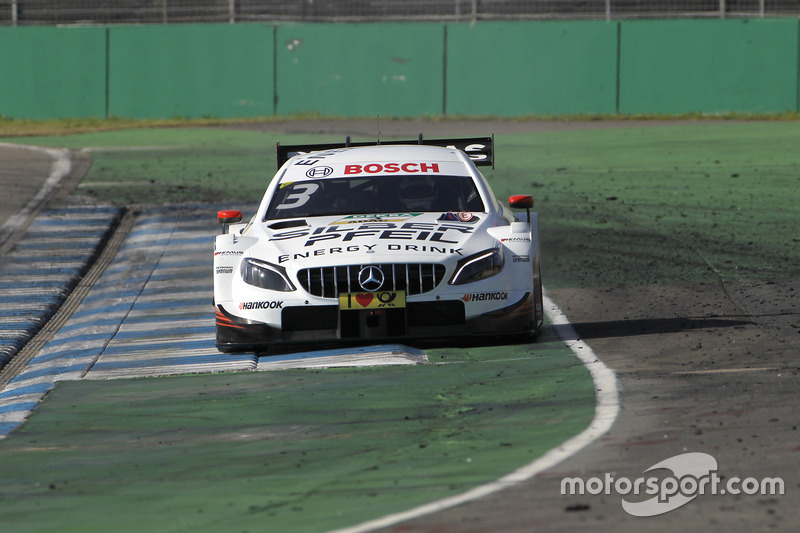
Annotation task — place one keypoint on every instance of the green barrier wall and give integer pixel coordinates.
(52, 72)
(204, 70)
(401, 69)
(360, 69)
(524, 68)
(679, 66)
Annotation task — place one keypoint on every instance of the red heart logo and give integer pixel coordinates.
(364, 298)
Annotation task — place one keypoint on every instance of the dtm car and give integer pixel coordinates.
(390, 241)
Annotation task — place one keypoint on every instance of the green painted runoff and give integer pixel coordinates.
(295, 450)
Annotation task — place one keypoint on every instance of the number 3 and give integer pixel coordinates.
(300, 195)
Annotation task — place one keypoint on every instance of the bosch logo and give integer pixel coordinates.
(370, 278)
(319, 172)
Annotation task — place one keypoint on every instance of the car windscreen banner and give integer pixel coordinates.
(479, 149)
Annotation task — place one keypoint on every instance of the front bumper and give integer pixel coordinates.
(418, 320)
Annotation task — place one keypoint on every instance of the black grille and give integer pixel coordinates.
(329, 282)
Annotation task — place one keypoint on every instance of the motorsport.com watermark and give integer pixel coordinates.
(693, 474)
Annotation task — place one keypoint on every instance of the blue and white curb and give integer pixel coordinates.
(38, 273)
(381, 355)
(124, 292)
(151, 314)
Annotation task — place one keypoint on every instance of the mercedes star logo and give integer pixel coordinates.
(370, 278)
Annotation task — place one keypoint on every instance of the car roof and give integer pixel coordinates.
(377, 160)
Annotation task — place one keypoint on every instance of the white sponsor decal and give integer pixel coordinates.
(369, 249)
(416, 231)
(261, 305)
(485, 296)
(692, 474)
(391, 168)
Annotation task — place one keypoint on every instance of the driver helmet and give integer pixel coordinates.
(418, 193)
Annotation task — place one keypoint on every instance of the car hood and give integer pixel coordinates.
(359, 239)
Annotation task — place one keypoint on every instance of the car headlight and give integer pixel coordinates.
(477, 267)
(266, 275)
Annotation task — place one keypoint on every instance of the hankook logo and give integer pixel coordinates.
(319, 172)
(370, 278)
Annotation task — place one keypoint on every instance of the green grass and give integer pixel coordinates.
(286, 451)
(21, 127)
(670, 204)
(681, 203)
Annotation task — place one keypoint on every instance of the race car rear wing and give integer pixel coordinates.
(479, 149)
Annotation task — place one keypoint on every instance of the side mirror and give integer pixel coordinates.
(521, 201)
(230, 216)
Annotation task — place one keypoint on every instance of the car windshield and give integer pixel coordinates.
(375, 195)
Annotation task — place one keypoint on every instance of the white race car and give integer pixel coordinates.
(391, 241)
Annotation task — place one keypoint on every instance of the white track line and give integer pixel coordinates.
(60, 169)
(605, 414)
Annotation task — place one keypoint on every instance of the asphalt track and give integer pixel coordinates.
(703, 367)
